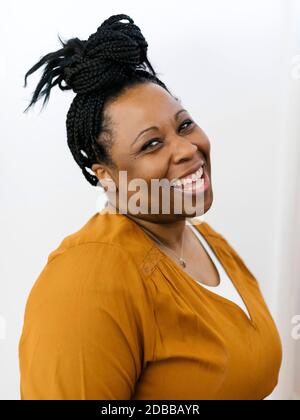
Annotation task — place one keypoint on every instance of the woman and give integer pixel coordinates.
(140, 305)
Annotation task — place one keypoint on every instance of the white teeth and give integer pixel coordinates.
(189, 179)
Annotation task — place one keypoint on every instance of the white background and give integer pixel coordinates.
(236, 66)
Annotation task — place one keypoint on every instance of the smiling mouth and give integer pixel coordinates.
(190, 180)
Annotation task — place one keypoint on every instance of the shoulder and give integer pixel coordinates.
(85, 279)
(114, 235)
(225, 246)
(208, 231)
(215, 238)
(108, 254)
(91, 268)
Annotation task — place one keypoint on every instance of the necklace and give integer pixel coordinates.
(181, 259)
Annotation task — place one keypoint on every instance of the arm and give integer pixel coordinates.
(83, 328)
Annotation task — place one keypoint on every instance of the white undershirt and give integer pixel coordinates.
(226, 288)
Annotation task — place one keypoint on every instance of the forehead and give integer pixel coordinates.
(141, 106)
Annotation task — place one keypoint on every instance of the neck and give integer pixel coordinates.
(170, 233)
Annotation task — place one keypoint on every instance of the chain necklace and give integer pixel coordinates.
(181, 259)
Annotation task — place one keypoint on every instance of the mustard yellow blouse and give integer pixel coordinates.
(112, 317)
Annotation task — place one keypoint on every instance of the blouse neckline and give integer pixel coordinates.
(159, 254)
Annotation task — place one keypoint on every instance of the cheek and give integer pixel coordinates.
(205, 142)
(148, 168)
(140, 174)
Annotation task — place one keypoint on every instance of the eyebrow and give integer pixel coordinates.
(151, 128)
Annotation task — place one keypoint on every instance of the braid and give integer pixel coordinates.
(97, 70)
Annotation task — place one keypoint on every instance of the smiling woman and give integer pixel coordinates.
(120, 310)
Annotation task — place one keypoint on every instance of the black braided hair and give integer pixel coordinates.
(98, 70)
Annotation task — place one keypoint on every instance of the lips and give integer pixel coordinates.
(190, 176)
(194, 187)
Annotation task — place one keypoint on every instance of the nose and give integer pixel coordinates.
(183, 149)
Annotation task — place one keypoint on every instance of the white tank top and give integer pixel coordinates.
(226, 288)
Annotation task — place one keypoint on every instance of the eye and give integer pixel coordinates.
(148, 144)
(189, 122)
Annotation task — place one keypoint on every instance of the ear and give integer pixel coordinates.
(101, 172)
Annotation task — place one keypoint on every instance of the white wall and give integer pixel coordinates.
(230, 63)
(286, 267)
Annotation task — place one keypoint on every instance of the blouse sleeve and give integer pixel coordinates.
(83, 333)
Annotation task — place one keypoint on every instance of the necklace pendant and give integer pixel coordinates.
(182, 262)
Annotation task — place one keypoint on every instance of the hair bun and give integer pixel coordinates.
(110, 54)
(113, 54)
(118, 41)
